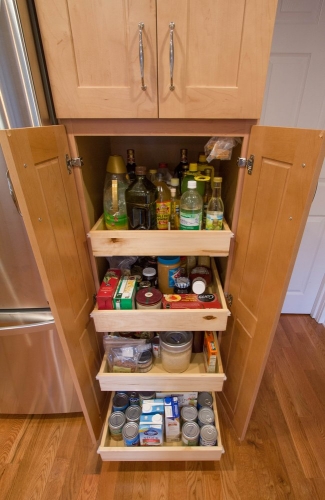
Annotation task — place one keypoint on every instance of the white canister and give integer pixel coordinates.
(176, 350)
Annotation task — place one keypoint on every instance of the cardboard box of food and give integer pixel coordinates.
(183, 398)
(172, 420)
(190, 301)
(124, 297)
(151, 430)
(107, 289)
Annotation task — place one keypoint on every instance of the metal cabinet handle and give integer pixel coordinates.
(12, 193)
(141, 56)
(171, 55)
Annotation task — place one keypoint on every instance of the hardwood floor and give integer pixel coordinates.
(283, 455)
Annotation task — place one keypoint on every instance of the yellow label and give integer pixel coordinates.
(163, 214)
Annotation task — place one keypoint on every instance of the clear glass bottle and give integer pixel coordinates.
(215, 209)
(191, 174)
(153, 175)
(130, 164)
(182, 167)
(114, 194)
(206, 197)
(191, 208)
(140, 199)
(174, 182)
(174, 209)
(163, 203)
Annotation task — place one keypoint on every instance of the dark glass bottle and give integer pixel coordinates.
(130, 165)
(140, 198)
(182, 167)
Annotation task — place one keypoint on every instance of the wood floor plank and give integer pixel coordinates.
(89, 487)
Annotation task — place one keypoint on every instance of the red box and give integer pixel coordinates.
(190, 301)
(107, 289)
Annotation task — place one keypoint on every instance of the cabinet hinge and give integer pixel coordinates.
(249, 164)
(229, 299)
(73, 162)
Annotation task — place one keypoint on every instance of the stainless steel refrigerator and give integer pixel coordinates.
(34, 375)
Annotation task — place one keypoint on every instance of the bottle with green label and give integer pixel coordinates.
(114, 194)
(215, 208)
(191, 207)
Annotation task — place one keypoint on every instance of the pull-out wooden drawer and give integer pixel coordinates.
(158, 379)
(111, 450)
(163, 320)
(107, 243)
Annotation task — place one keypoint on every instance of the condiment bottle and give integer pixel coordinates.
(191, 208)
(194, 174)
(114, 194)
(163, 203)
(163, 170)
(168, 271)
(140, 199)
(215, 208)
(182, 167)
(130, 165)
(174, 209)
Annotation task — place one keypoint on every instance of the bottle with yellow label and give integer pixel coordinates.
(163, 203)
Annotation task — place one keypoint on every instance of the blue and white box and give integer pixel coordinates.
(151, 430)
(172, 420)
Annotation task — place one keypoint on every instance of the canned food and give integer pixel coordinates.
(116, 422)
(145, 361)
(205, 416)
(189, 414)
(146, 395)
(208, 435)
(190, 434)
(134, 399)
(132, 414)
(130, 434)
(120, 402)
(204, 399)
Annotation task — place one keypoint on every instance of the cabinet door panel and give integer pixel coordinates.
(274, 208)
(49, 203)
(92, 55)
(221, 51)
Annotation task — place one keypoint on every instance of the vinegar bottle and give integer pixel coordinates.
(162, 203)
(215, 209)
(174, 209)
(191, 208)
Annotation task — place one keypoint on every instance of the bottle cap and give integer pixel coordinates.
(193, 167)
(173, 191)
(217, 179)
(140, 170)
(174, 181)
(163, 165)
(116, 165)
(202, 158)
(153, 171)
(191, 184)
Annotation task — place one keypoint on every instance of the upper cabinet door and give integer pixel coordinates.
(221, 51)
(92, 56)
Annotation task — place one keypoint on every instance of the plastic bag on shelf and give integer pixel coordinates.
(121, 262)
(220, 148)
(123, 359)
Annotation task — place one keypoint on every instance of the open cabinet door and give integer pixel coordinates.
(47, 196)
(275, 203)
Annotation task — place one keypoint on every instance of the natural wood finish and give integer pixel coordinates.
(158, 379)
(281, 457)
(211, 243)
(274, 207)
(163, 320)
(111, 450)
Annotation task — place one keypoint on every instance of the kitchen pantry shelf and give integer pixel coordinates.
(158, 379)
(107, 243)
(135, 320)
(111, 450)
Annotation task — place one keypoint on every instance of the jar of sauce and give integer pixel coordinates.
(168, 272)
(150, 274)
(182, 285)
(148, 298)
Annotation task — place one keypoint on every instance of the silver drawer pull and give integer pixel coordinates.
(141, 56)
(171, 55)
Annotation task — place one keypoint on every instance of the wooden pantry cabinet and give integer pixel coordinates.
(266, 210)
(219, 57)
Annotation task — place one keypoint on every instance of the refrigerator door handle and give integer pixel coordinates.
(12, 193)
(22, 325)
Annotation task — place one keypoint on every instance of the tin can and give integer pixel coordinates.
(208, 436)
(145, 361)
(120, 402)
(134, 399)
(146, 395)
(116, 422)
(188, 414)
(204, 399)
(205, 416)
(130, 434)
(132, 414)
(190, 434)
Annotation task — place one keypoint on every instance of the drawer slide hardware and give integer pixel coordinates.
(73, 162)
(249, 164)
(229, 299)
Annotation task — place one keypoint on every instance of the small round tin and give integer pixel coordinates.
(208, 435)
(204, 399)
(145, 361)
(120, 402)
(190, 434)
(134, 399)
(205, 416)
(132, 414)
(116, 422)
(188, 414)
(148, 298)
(146, 395)
(130, 434)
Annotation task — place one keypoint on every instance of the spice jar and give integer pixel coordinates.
(150, 274)
(182, 285)
(168, 271)
(176, 350)
(145, 361)
(148, 298)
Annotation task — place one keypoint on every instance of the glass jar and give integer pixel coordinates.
(168, 271)
(148, 298)
(150, 274)
(176, 350)
(145, 361)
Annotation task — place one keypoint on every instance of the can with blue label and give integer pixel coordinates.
(130, 434)
(120, 402)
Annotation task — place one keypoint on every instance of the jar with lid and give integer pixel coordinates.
(182, 285)
(168, 272)
(148, 298)
(150, 274)
(145, 361)
(176, 350)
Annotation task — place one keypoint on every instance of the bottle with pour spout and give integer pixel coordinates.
(114, 194)
(140, 197)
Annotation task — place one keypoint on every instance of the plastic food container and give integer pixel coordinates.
(176, 350)
(168, 271)
(148, 298)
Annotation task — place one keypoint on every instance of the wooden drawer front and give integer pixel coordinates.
(111, 450)
(158, 379)
(163, 320)
(104, 242)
